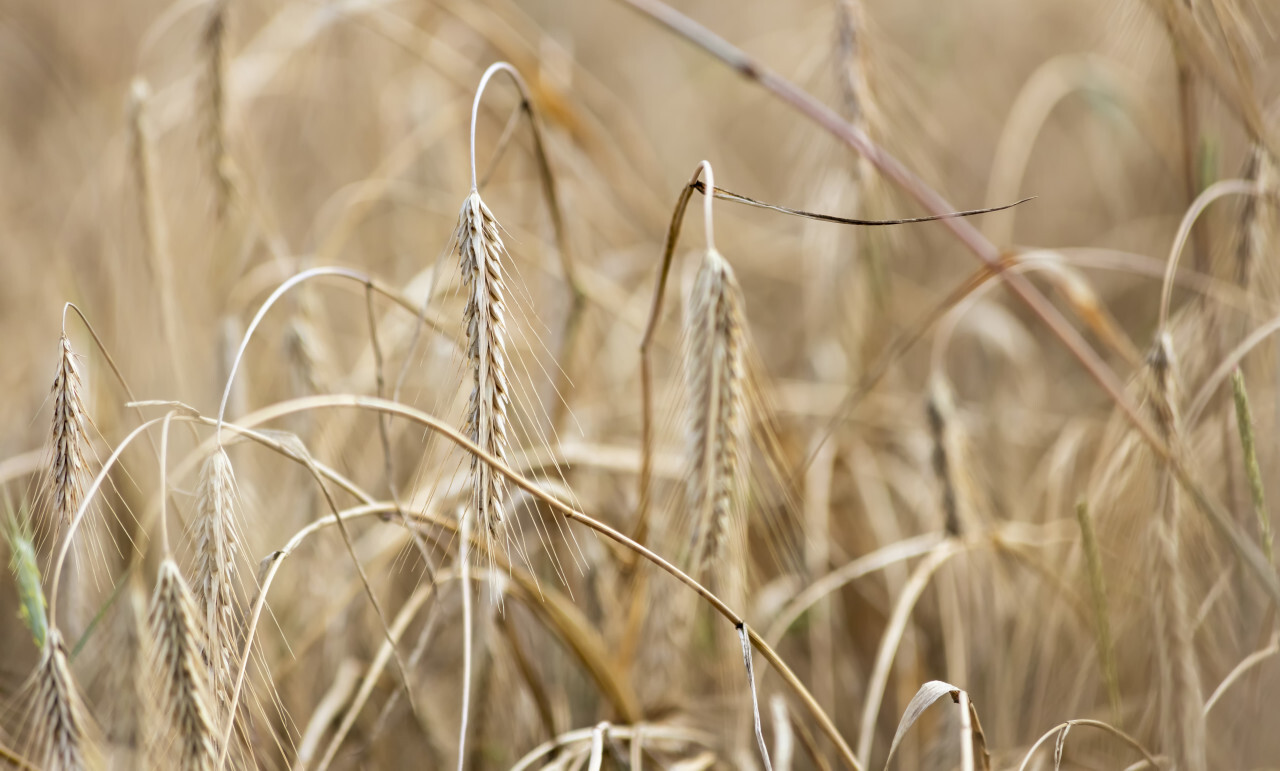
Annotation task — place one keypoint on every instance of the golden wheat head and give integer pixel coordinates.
(217, 542)
(717, 418)
(69, 438)
(481, 251)
(58, 740)
(176, 660)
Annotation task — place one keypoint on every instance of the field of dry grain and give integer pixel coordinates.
(608, 384)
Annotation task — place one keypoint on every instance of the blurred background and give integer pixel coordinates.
(165, 166)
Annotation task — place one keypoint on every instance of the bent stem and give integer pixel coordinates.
(577, 295)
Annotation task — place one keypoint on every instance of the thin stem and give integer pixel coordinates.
(1098, 724)
(755, 701)
(464, 565)
(725, 195)
(369, 283)
(164, 482)
(1211, 193)
(705, 167)
(578, 296)
(641, 530)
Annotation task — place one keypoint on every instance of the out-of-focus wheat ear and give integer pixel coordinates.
(855, 74)
(213, 135)
(123, 656)
(69, 438)
(1101, 610)
(717, 419)
(1259, 218)
(177, 638)
(25, 566)
(1257, 493)
(1181, 701)
(58, 735)
(481, 253)
(308, 369)
(152, 221)
(217, 542)
(941, 412)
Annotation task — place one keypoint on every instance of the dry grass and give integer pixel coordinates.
(744, 500)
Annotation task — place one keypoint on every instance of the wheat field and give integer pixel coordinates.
(595, 384)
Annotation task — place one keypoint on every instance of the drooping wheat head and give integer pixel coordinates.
(181, 672)
(484, 318)
(717, 417)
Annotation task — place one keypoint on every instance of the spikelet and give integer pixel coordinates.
(175, 630)
(58, 740)
(481, 251)
(717, 419)
(217, 542)
(69, 439)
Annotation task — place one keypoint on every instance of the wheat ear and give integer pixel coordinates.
(482, 253)
(176, 657)
(213, 43)
(69, 438)
(59, 741)
(716, 383)
(217, 542)
(184, 695)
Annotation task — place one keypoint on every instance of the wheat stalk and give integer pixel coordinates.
(183, 686)
(58, 737)
(482, 252)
